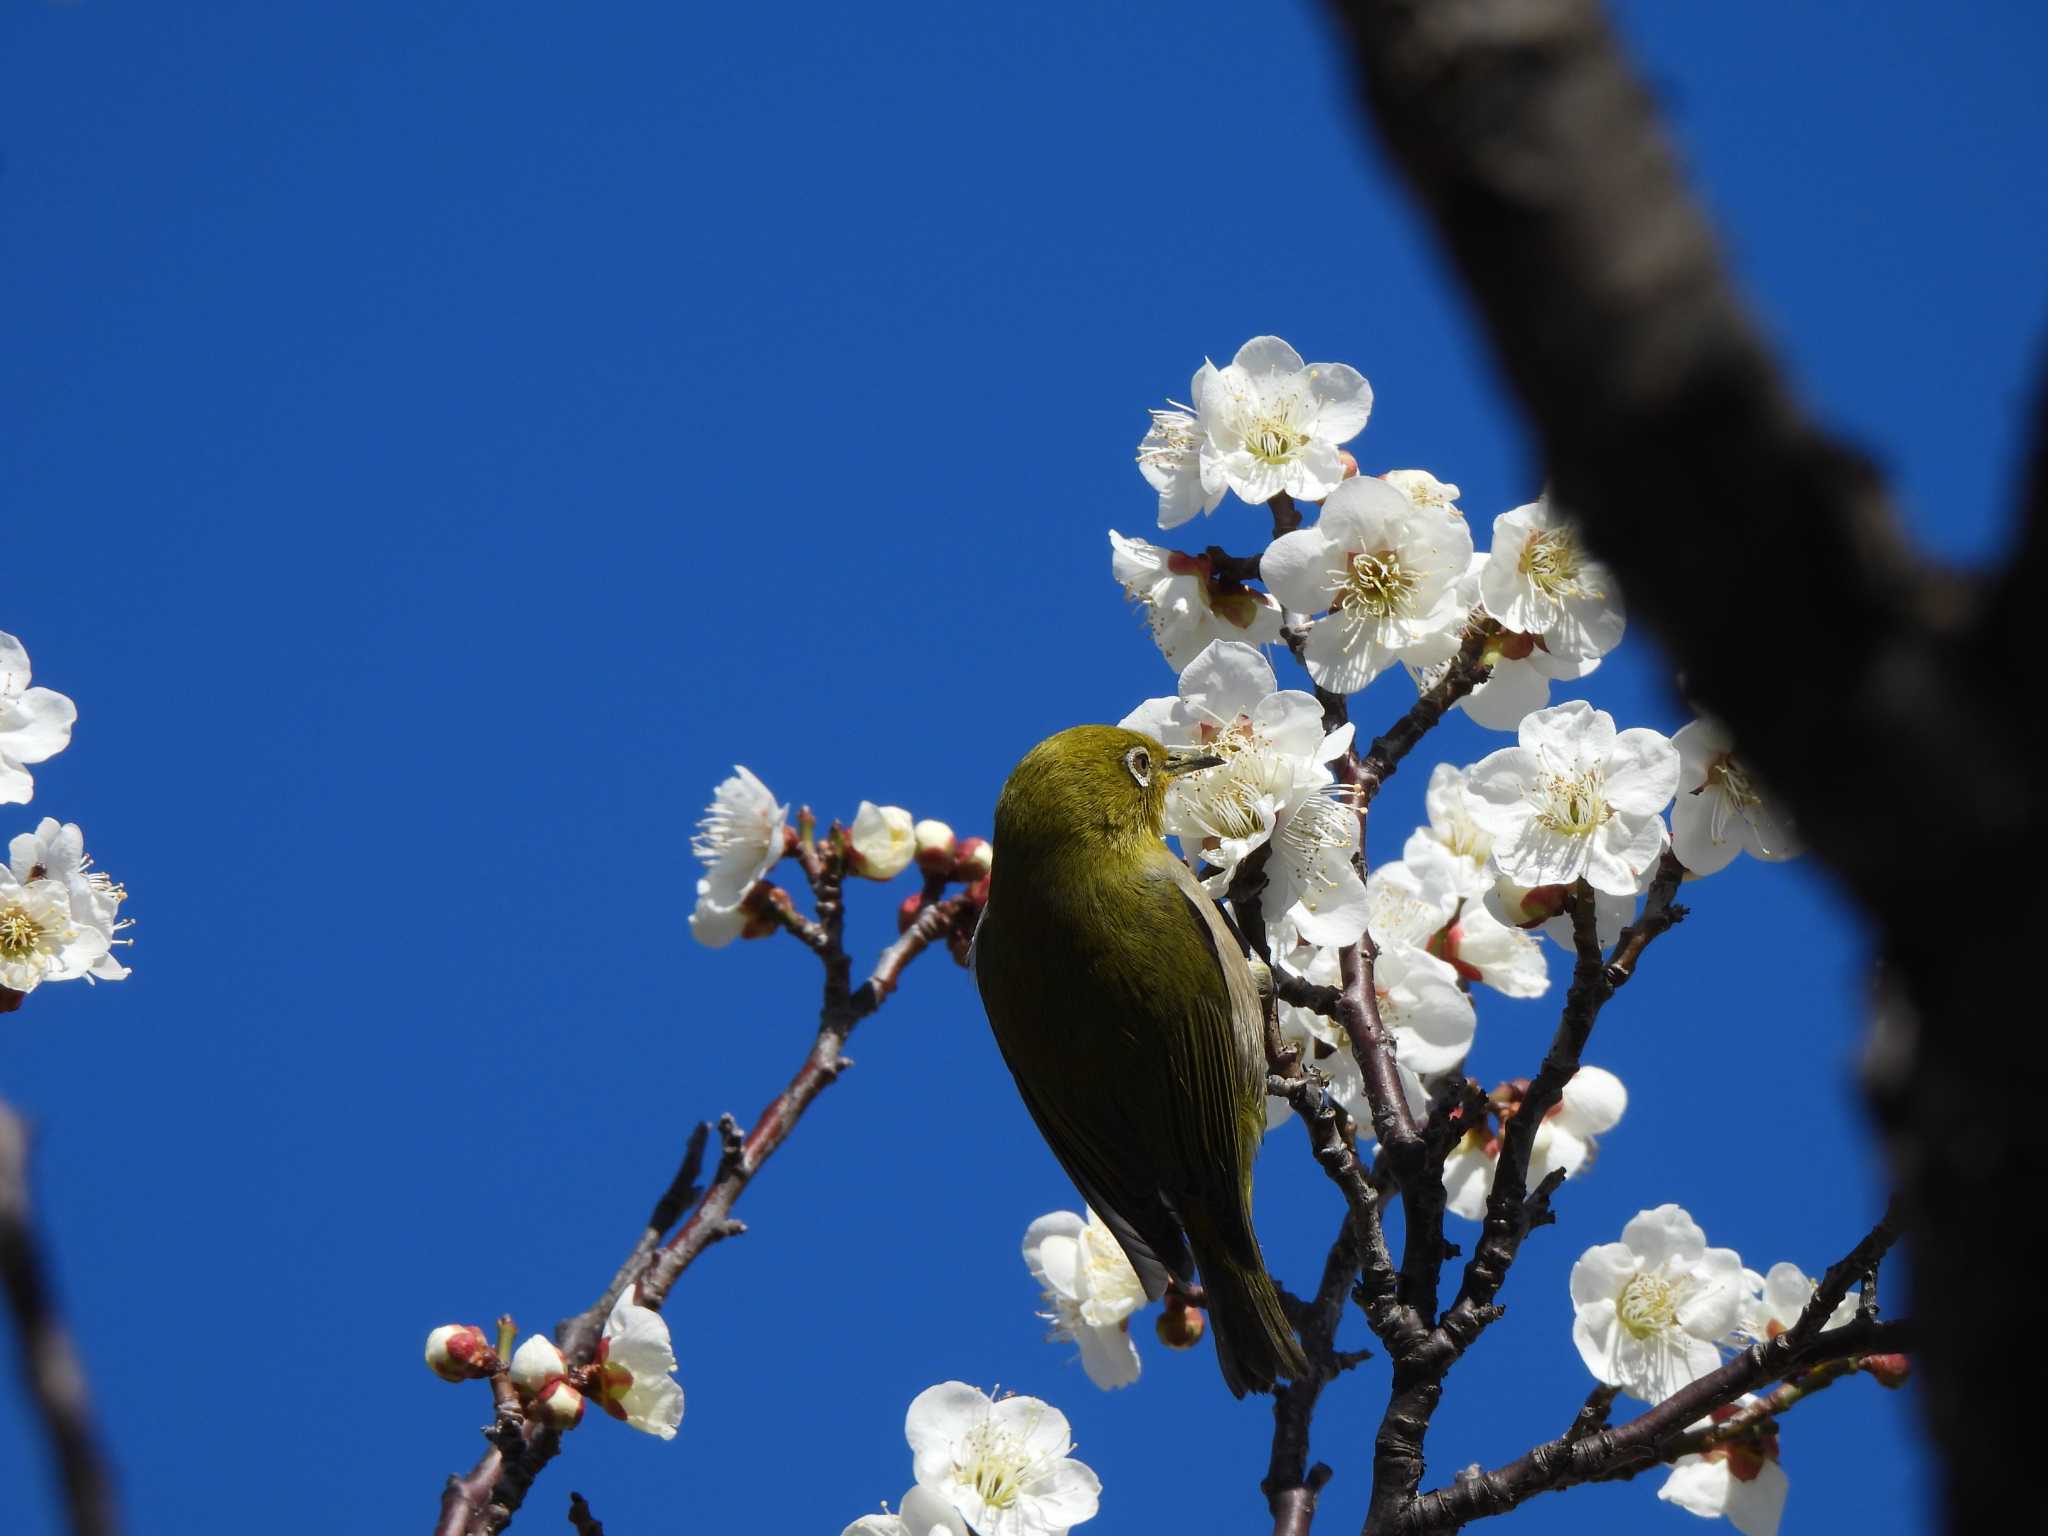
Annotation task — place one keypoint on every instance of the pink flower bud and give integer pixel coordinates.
(559, 1404)
(1350, 464)
(975, 857)
(460, 1352)
(1890, 1370)
(906, 912)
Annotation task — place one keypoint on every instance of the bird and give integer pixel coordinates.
(1126, 1011)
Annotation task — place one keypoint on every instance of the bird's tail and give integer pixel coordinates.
(1254, 1342)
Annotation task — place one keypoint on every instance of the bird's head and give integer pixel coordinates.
(1090, 786)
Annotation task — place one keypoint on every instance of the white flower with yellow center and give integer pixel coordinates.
(1385, 568)
(1271, 423)
(1722, 810)
(1423, 488)
(1092, 1290)
(1274, 750)
(1575, 799)
(1185, 606)
(1539, 580)
(1170, 459)
(1003, 1464)
(739, 839)
(1650, 1307)
(35, 723)
(41, 939)
(56, 852)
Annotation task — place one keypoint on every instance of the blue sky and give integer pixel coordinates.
(436, 442)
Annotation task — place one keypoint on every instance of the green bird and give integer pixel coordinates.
(1132, 1024)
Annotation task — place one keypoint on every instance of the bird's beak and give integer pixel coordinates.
(1178, 763)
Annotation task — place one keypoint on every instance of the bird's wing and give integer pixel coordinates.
(1082, 1019)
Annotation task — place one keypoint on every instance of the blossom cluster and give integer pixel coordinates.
(59, 916)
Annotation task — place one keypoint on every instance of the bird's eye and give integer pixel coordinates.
(1139, 761)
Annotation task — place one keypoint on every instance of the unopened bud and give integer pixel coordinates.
(1524, 906)
(1890, 1370)
(460, 1352)
(1181, 1327)
(534, 1364)
(936, 847)
(880, 844)
(906, 912)
(975, 857)
(1350, 464)
(559, 1404)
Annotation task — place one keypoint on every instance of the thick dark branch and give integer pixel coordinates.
(1468, 670)
(52, 1374)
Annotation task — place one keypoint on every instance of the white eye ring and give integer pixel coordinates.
(1139, 761)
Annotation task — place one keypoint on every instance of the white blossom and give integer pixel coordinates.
(1772, 1302)
(1384, 567)
(1324, 1047)
(1270, 423)
(1003, 1464)
(1538, 580)
(1092, 1290)
(1739, 1480)
(56, 852)
(1575, 799)
(883, 840)
(1186, 607)
(1274, 750)
(35, 723)
(633, 1369)
(1170, 459)
(1520, 667)
(1650, 1307)
(1423, 488)
(1591, 1105)
(1722, 810)
(1475, 943)
(41, 938)
(1451, 825)
(920, 1512)
(739, 839)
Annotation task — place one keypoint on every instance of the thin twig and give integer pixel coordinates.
(53, 1375)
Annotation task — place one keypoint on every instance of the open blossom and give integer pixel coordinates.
(1538, 580)
(1423, 488)
(1520, 667)
(1651, 1307)
(1472, 941)
(1386, 570)
(1271, 740)
(739, 839)
(920, 1512)
(1002, 1463)
(1269, 422)
(1721, 809)
(35, 723)
(883, 840)
(633, 1371)
(1575, 799)
(1186, 604)
(1092, 1290)
(1324, 1047)
(41, 938)
(1591, 1105)
(56, 851)
(1772, 1302)
(1170, 459)
(1739, 1480)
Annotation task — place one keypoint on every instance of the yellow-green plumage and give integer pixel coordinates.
(1134, 1028)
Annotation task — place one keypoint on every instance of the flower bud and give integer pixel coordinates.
(559, 1404)
(1890, 1370)
(1181, 1327)
(535, 1363)
(1524, 906)
(460, 1352)
(880, 844)
(1350, 464)
(936, 847)
(975, 857)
